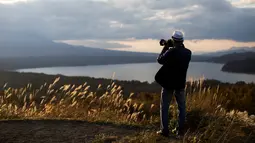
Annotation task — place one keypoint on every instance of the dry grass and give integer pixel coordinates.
(207, 121)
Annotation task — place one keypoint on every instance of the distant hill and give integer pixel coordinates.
(29, 50)
(237, 60)
(15, 44)
(231, 57)
(240, 66)
(58, 61)
(232, 50)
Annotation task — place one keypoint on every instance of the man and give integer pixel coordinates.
(172, 78)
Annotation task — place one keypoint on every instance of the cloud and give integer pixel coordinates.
(11, 1)
(122, 19)
(196, 46)
(243, 2)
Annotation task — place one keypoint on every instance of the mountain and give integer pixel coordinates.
(31, 45)
(231, 57)
(29, 50)
(232, 50)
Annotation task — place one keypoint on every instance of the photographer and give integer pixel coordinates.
(171, 76)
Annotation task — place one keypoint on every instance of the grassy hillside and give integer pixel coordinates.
(232, 92)
(214, 113)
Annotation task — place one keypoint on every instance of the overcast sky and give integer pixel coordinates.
(135, 25)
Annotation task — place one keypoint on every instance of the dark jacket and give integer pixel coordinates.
(175, 61)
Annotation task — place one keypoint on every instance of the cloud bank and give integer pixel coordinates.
(122, 19)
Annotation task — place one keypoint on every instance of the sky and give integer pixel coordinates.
(134, 25)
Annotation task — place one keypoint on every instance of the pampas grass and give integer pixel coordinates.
(207, 120)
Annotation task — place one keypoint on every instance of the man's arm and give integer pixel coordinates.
(165, 55)
(162, 56)
(164, 50)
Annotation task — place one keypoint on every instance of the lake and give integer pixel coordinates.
(144, 72)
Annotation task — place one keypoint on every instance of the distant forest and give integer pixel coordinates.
(240, 66)
(236, 62)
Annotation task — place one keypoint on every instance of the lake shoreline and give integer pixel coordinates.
(21, 79)
(80, 66)
(91, 65)
(74, 65)
(85, 65)
(127, 72)
(36, 62)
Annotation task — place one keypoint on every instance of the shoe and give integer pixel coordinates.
(165, 134)
(180, 135)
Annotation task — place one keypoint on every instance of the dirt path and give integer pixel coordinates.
(58, 131)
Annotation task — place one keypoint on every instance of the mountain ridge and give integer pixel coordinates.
(232, 57)
(229, 51)
(14, 45)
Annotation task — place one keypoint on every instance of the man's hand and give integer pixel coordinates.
(162, 42)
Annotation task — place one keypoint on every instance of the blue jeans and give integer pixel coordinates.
(166, 97)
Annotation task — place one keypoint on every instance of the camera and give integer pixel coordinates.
(168, 43)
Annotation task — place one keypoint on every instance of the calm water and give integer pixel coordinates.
(144, 72)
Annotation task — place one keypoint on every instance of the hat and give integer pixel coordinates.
(178, 36)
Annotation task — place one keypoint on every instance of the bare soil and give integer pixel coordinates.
(59, 131)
